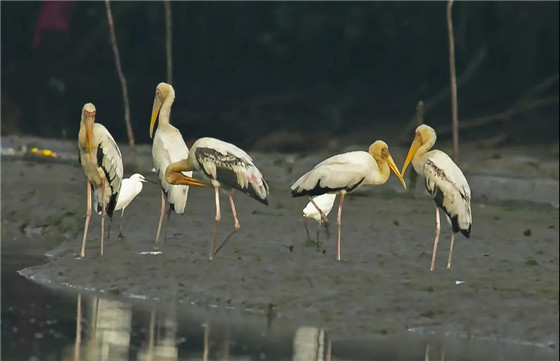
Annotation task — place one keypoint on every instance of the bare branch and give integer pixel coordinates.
(454, 115)
(168, 41)
(121, 76)
(504, 116)
(470, 70)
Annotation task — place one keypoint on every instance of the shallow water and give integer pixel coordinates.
(40, 323)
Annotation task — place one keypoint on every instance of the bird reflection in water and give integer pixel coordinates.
(108, 329)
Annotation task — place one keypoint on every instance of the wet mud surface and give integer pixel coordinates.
(503, 284)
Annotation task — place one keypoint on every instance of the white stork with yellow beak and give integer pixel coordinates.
(446, 184)
(344, 173)
(168, 147)
(226, 166)
(101, 160)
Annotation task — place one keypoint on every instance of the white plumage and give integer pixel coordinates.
(226, 166)
(344, 173)
(445, 182)
(325, 202)
(130, 189)
(101, 161)
(168, 147)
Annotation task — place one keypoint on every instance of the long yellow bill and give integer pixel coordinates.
(394, 168)
(89, 131)
(411, 152)
(180, 178)
(155, 112)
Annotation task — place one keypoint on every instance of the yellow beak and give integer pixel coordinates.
(411, 152)
(188, 181)
(155, 112)
(395, 170)
(89, 131)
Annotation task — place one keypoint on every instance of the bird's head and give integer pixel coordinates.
(88, 117)
(163, 91)
(379, 150)
(140, 178)
(423, 136)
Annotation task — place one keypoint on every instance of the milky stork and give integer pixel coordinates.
(318, 206)
(168, 147)
(344, 173)
(101, 160)
(226, 166)
(446, 184)
(130, 189)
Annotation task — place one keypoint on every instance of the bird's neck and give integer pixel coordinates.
(381, 174)
(165, 111)
(420, 156)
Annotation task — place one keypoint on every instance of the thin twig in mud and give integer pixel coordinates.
(168, 41)
(454, 116)
(121, 77)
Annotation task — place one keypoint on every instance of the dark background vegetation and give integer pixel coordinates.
(247, 70)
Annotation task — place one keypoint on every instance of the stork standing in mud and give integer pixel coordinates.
(446, 184)
(101, 160)
(344, 173)
(168, 147)
(226, 166)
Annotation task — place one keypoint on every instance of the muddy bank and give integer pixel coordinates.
(503, 284)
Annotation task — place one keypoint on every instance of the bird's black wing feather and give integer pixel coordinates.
(226, 165)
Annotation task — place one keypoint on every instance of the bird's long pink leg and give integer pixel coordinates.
(217, 220)
(88, 216)
(436, 241)
(161, 213)
(339, 223)
(236, 225)
(450, 250)
(102, 214)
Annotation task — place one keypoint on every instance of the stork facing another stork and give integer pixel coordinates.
(101, 161)
(344, 173)
(446, 184)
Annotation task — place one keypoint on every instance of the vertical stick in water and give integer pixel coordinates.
(454, 116)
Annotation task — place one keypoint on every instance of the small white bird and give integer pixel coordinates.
(445, 182)
(130, 189)
(323, 203)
